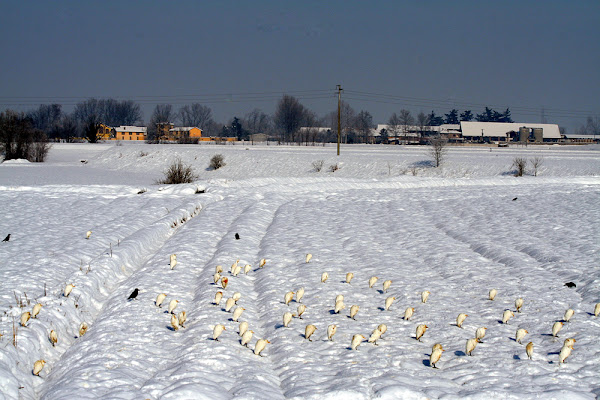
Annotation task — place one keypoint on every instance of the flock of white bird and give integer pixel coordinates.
(178, 320)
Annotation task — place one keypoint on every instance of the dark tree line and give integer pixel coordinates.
(20, 140)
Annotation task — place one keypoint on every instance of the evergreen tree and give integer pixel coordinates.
(467, 115)
(434, 120)
(452, 117)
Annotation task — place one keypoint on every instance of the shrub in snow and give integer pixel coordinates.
(536, 163)
(333, 167)
(217, 161)
(519, 163)
(178, 173)
(318, 165)
(438, 149)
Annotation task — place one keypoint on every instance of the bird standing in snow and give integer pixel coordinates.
(460, 319)
(597, 309)
(229, 304)
(36, 310)
(408, 313)
(339, 297)
(236, 270)
(260, 346)
(386, 285)
(331, 330)
(382, 328)
(425, 296)
(519, 304)
(356, 341)
(421, 329)
(388, 302)
(234, 266)
(53, 337)
(308, 257)
(38, 366)
(471, 344)
(236, 297)
(247, 268)
(568, 314)
(301, 309)
(68, 289)
(173, 260)
(506, 316)
(339, 306)
(181, 318)
(556, 328)
(436, 354)
(299, 295)
(349, 277)
(480, 333)
(308, 331)
(353, 311)
(224, 282)
(246, 337)
(88, 234)
(262, 262)
(7, 238)
(159, 299)
(25, 317)
(529, 350)
(493, 294)
(237, 313)
(172, 305)
(372, 281)
(174, 322)
(287, 318)
(133, 294)
(243, 327)
(216, 278)
(375, 336)
(83, 328)
(288, 298)
(218, 297)
(218, 269)
(217, 330)
(324, 277)
(520, 335)
(565, 352)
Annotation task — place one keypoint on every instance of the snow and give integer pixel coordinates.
(455, 231)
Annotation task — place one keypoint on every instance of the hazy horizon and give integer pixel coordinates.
(540, 59)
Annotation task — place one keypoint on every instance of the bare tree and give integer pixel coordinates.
(422, 122)
(18, 138)
(288, 117)
(195, 115)
(257, 121)
(107, 111)
(394, 125)
(47, 118)
(406, 120)
(364, 125)
(438, 149)
(536, 163)
(162, 114)
(593, 126)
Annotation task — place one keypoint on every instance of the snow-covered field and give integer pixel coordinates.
(454, 231)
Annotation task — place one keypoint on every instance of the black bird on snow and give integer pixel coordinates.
(7, 238)
(570, 284)
(515, 198)
(237, 236)
(133, 294)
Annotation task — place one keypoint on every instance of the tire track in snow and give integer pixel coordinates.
(109, 276)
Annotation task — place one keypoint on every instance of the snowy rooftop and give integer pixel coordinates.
(137, 129)
(500, 129)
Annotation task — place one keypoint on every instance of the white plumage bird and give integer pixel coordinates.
(173, 260)
(388, 302)
(308, 331)
(217, 330)
(331, 330)
(68, 289)
(425, 296)
(460, 319)
(353, 311)
(301, 309)
(372, 281)
(287, 318)
(299, 294)
(471, 344)
(287, 298)
(324, 277)
(386, 285)
(420, 331)
(519, 304)
(237, 313)
(556, 328)
(436, 354)
(480, 333)
(408, 313)
(308, 257)
(159, 299)
(172, 304)
(218, 297)
(38, 366)
(356, 341)
(568, 314)
(246, 337)
(36, 310)
(260, 346)
(492, 294)
(83, 327)
(520, 335)
(349, 277)
(243, 327)
(506, 316)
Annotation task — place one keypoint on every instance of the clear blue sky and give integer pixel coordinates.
(419, 55)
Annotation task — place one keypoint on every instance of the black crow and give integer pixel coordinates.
(237, 236)
(7, 238)
(570, 285)
(133, 294)
(515, 198)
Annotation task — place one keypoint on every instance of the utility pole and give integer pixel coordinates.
(339, 138)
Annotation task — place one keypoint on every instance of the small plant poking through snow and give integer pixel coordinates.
(178, 173)
(333, 167)
(519, 163)
(318, 165)
(217, 161)
(143, 153)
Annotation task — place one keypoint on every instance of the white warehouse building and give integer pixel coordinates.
(509, 131)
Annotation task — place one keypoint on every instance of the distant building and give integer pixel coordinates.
(105, 132)
(509, 132)
(185, 132)
(130, 132)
